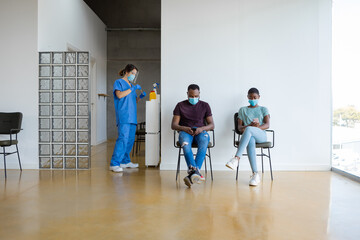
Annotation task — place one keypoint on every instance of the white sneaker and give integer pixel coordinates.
(133, 165)
(116, 169)
(195, 178)
(233, 163)
(130, 165)
(255, 179)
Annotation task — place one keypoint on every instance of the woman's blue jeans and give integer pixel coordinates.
(202, 141)
(249, 138)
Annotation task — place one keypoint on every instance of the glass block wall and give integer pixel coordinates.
(64, 110)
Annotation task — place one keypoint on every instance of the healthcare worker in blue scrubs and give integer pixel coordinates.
(125, 100)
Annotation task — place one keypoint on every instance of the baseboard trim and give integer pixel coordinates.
(221, 167)
(15, 166)
(100, 142)
(346, 174)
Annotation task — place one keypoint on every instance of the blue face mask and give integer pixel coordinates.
(253, 102)
(193, 101)
(131, 77)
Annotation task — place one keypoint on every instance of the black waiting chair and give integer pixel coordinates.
(194, 145)
(139, 137)
(10, 124)
(262, 146)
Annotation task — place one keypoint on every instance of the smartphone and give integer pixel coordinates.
(193, 129)
(256, 120)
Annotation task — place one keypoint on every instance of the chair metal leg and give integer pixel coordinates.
(4, 162)
(133, 149)
(17, 150)
(137, 144)
(178, 165)
(237, 170)
(270, 165)
(212, 178)
(262, 160)
(205, 165)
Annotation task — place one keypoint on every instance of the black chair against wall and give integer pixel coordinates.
(266, 145)
(194, 145)
(10, 124)
(139, 137)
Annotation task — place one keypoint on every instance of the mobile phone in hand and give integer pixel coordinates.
(256, 120)
(193, 129)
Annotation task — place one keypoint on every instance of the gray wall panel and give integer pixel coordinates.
(141, 48)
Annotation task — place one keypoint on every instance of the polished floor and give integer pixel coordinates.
(149, 204)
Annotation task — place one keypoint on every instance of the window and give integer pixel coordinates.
(346, 86)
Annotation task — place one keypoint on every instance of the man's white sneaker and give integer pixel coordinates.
(196, 178)
(116, 169)
(255, 179)
(130, 165)
(233, 163)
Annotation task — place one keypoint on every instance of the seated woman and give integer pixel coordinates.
(252, 122)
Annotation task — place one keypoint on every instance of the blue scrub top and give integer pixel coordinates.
(125, 108)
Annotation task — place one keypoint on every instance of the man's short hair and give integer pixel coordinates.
(193, 87)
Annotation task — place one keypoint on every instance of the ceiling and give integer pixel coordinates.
(128, 13)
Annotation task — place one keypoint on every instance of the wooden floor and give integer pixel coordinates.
(149, 204)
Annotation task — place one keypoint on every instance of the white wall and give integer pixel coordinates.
(282, 47)
(19, 71)
(72, 24)
(29, 26)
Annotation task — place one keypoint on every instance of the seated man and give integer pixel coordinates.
(190, 118)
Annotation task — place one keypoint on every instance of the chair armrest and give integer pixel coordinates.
(273, 137)
(14, 131)
(213, 133)
(175, 138)
(236, 135)
(235, 132)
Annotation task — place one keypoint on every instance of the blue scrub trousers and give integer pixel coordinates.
(124, 144)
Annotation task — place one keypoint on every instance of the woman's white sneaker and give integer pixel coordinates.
(255, 179)
(116, 169)
(233, 163)
(130, 165)
(133, 165)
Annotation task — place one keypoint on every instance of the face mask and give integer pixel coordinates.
(193, 101)
(253, 102)
(131, 77)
